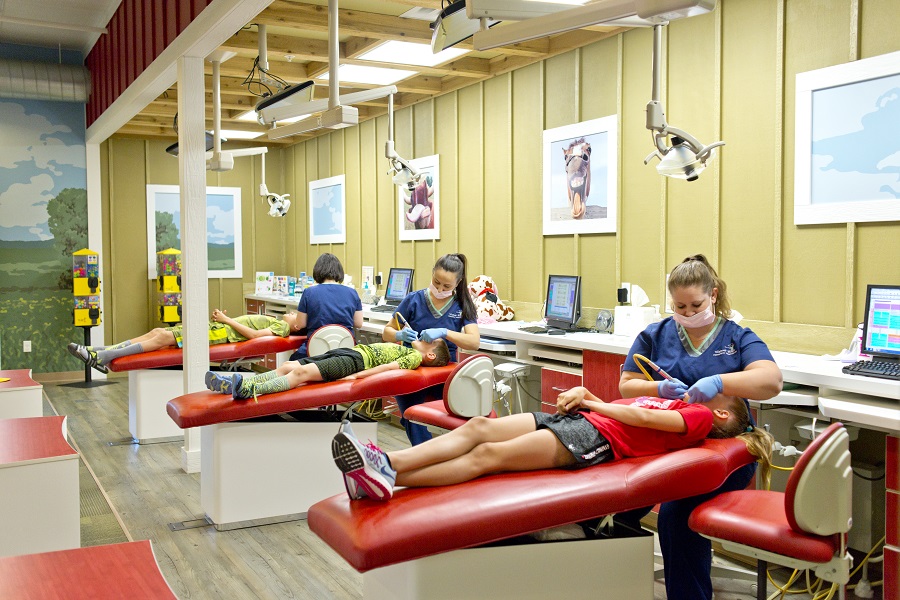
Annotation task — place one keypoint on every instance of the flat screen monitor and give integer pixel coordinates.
(399, 284)
(881, 328)
(563, 306)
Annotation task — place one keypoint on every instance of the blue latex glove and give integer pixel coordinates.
(671, 389)
(705, 389)
(429, 335)
(407, 334)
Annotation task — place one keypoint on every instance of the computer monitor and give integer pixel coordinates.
(881, 328)
(563, 306)
(399, 284)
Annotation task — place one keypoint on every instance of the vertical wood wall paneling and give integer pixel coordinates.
(386, 210)
(691, 105)
(447, 146)
(599, 97)
(421, 144)
(351, 261)
(851, 227)
(528, 126)
(642, 198)
(338, 167)
(877, 244)
(749, 183)
(562, 100)
(471, 177)
(110, 300)
(620, 70)
(302, 177)
(498, 199)
(404, 133)
(369, 162)
(778, 152)
(815, 39)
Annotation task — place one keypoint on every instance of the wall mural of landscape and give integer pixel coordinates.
(43, 219)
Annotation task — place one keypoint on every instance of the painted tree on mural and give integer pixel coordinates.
(69, 228)
(166, 231)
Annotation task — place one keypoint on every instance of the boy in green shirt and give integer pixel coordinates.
(222, 329)
(363, 360)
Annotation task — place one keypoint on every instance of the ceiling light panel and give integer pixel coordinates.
(410, 53)
(371, 75)
(233, 134)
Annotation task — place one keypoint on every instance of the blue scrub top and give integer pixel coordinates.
(327, 304)
(730, 351)
(416, 309)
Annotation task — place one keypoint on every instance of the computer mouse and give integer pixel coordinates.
(556, 332)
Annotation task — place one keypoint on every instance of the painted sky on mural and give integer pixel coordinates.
(41, 153)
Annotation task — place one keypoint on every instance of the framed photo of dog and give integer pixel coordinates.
(420, 207)
(580, 177)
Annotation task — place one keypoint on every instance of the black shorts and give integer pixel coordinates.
(579, 436)
(336, 364)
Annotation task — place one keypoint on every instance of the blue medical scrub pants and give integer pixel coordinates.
(415, 432)
(687, 556)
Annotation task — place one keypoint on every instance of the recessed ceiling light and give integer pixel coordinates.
(233, 134)
(410, 53)
(251, 115)
(372, 75)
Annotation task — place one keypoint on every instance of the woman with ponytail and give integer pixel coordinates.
(705, 354)
(444, 310)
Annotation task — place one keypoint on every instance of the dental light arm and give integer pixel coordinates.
(687, 156)
(403, 173)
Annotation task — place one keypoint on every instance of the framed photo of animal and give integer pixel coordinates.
(419, 207)
(580, 177)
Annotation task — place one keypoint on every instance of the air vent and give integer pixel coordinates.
(44, 81)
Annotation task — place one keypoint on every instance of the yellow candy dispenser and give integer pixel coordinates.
(168, 285)
(86, 287)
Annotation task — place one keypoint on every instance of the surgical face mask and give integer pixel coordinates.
(700, 319)
(438, 294)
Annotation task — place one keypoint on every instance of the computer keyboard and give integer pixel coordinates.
(875, 368)
(384, 308)
(534, 329)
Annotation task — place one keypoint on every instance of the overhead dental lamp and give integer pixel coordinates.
(686, 157)
(453, 25)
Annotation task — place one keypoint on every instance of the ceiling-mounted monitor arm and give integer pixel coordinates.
(656, 117)
(404, 174)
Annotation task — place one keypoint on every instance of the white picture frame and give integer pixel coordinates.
(420, 219)
(328, 211)
(845, 166)
(223, 228)
(592, 205)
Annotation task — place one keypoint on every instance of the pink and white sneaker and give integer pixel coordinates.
(367, 465)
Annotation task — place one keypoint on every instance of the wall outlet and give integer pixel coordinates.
(26, 346)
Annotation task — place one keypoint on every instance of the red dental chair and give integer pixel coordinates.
(803, 528)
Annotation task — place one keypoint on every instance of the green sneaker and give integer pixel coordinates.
(216, 382)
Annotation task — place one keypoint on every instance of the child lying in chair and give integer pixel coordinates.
(363, 360)
(586, 431)
(222, 329)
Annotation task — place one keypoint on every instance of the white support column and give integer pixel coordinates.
(195, 291)
(95, 233)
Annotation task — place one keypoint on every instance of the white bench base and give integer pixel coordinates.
(148, 392)
(255, 473)
(601, 569)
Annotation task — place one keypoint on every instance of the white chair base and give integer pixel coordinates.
(255, 473)
(601, 569)
(148, 392)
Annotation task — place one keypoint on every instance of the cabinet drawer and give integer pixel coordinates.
(602, 372)
(255, 307)
(552, 383)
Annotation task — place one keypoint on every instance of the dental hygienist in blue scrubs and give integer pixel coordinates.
(444, 310)
(706, 354)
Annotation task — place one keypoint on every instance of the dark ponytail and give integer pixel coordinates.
(456, 264)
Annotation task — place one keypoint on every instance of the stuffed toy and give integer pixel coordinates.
(488, 305)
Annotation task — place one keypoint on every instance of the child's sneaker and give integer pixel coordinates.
(89, 357)
(366, 464)
(216, 382)
(353, 489)
(241, 389)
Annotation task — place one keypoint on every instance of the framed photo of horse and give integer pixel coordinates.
(419, 207)
(580, 177)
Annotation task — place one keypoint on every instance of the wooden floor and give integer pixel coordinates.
(147, 489)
